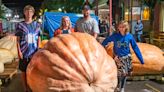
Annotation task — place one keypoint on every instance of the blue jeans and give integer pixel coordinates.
(139, 38)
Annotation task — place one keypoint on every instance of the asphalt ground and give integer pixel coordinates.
(144, 86)
(131, 86)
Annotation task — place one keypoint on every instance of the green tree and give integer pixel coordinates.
(68, 5)
(1, 13)
(65, 5)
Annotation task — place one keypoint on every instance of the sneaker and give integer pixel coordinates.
(122, 90)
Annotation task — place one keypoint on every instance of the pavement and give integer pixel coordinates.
(144, 86)
(131, 86)
(14, 85)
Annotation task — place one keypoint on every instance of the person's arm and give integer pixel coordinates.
(95, 35)
(136, 50)
(95, 28)
(18, 48)
(75, 29)
(76, 24)
(72, 30)
(106, 41)
(39, 36)
(39, 42)
(57, 32)
(140, 26)
(136, 28)
(19, 34)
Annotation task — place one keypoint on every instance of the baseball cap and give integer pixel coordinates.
(86, 7)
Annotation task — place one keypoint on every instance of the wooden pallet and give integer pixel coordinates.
(7, 75)
(9, 72)
(14, 64)
(158, 77)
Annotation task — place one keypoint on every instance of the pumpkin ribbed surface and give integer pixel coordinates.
(10, 42)
(72, 63)
(6, 57)
(43, 42)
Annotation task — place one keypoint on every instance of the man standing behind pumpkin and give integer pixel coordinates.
(65, 27)
(138, 30)
(28, 33)
(87, 24)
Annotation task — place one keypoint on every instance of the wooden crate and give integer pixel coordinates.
(157, 39)
(8, 75)
(158, 77)
(14, 64)
(10, 70)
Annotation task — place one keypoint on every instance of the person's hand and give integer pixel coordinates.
(116, 59)
(118, 62)
(136, 29)
(21, 57)
(142, 63)
(109, 45)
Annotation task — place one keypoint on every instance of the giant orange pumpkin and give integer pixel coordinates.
(10, 42)
(153, 58)
(42, 44)
(72, 63)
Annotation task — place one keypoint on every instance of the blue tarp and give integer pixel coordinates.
(52, 20)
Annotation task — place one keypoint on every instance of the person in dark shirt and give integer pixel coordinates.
(104, 27)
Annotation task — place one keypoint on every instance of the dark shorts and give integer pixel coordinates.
(23, 63)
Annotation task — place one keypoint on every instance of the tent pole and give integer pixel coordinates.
(97, 8)
(110, 18)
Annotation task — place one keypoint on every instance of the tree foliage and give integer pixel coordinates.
(64, 5)
(150, 3)
(68, 5)
(1, 13)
